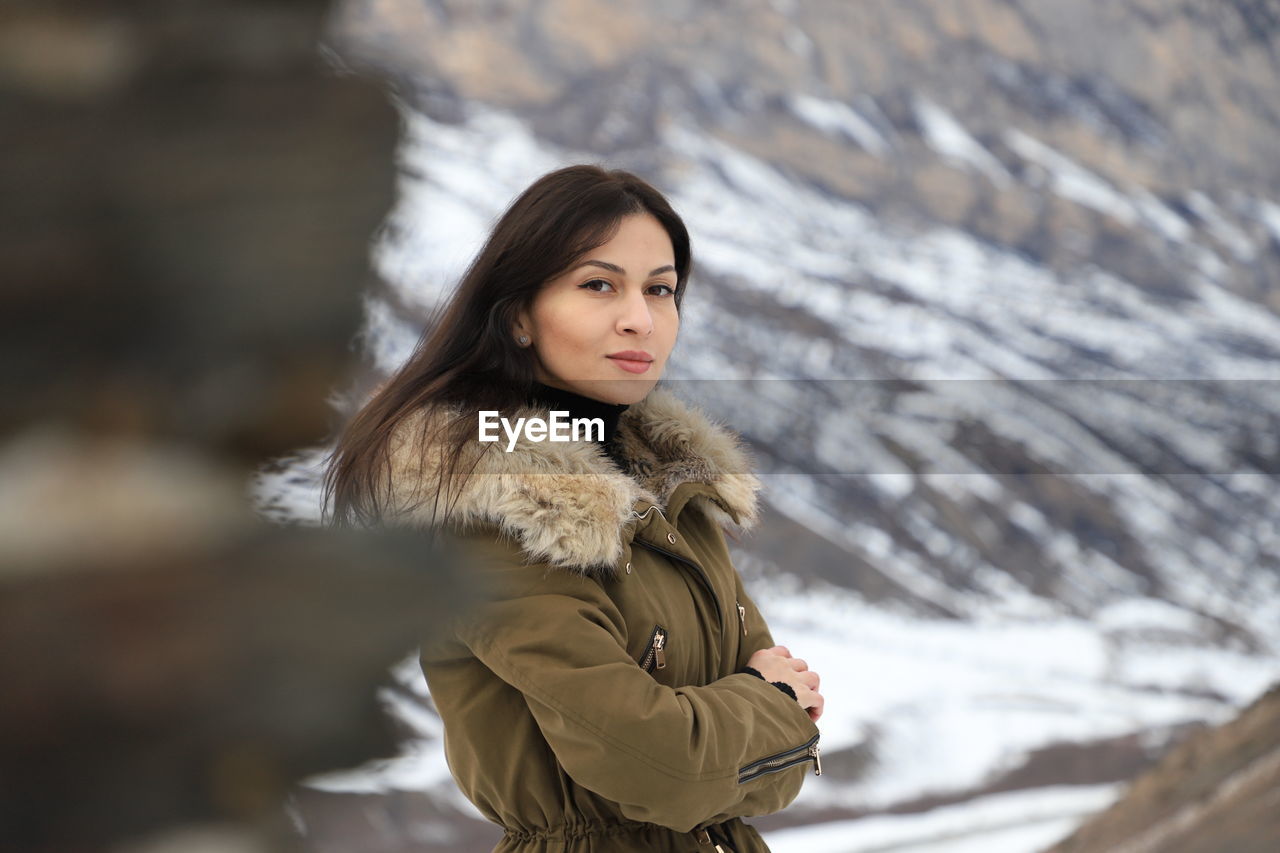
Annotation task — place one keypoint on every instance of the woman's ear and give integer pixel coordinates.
(521, 332)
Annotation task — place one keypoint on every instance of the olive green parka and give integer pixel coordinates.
(595, 701)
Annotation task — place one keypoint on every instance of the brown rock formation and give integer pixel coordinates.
(1216, 791)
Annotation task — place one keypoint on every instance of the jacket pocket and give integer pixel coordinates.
(655, 655)
(781, 761)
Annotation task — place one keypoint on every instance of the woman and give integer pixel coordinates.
(617, 690)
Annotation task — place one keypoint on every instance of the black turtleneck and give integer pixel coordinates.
(578, 406)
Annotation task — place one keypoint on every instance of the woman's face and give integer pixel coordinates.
(605, 328)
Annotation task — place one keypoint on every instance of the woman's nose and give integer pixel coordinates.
(636, 318)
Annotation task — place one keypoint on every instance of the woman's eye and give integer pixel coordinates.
(663, 289)
(596, 284)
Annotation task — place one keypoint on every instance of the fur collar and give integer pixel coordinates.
(566, 502)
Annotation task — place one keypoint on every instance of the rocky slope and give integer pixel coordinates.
(1216, 791)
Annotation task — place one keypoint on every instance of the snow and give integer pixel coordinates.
(1019, 822)
(294, 486)
(421, 765)
(838, 118)
(949, 138)
(1072, 181)
(442, 215)
(1223, 230)
(1146, 613)
(1161, 216)
(1268, 213)
(386, 335)
(952, 703)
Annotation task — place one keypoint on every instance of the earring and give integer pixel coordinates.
(523, 340)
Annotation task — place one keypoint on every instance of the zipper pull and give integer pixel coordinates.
(742, 617)
(817, 760)
(704, 837)
(659, 641)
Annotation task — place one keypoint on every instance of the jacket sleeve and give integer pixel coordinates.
(678, 757)
(756, 633)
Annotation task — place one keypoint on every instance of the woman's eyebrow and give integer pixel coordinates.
(621, 271)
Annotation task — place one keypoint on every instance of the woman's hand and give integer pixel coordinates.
(777, 664)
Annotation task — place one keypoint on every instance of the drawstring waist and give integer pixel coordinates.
(713, 839)
(570, 831)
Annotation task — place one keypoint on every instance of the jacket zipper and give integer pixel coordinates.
(783, 760)
(698, 572)
(656, 656)
(742, 617)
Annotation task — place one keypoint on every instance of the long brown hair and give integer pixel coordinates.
(468, 359)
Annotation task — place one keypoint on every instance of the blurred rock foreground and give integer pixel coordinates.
(186, 196)
(187, 212)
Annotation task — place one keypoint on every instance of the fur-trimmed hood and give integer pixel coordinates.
(566, 502)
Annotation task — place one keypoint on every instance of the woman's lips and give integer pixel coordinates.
(631, 365)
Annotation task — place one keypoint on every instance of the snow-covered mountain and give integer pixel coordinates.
(994, 303)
